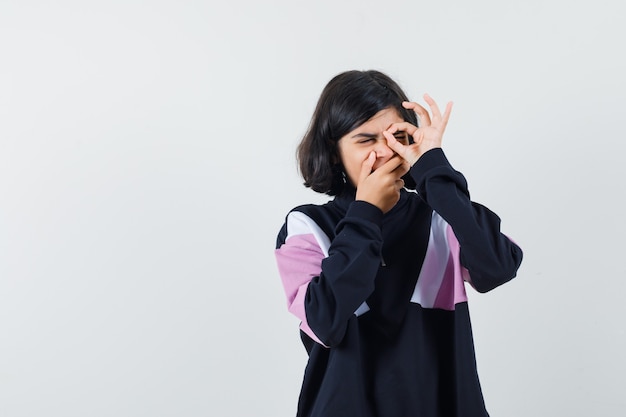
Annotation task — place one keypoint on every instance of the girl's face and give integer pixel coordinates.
(355, 147)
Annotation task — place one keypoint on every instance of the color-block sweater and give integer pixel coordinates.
(381, 297)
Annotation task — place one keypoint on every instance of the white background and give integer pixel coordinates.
(147, 163)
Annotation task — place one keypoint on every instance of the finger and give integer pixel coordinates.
(422, 113)
(402, 126)
(391, 165)
(406, 127)
(394, 144)
(434, 108)
(399, 184)
(405, 151)
(446, 114)
(402, 169)
(366, 167)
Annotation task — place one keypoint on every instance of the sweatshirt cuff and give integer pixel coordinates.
(365, 211)
(433, 158)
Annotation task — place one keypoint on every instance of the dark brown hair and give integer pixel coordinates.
(348, 100)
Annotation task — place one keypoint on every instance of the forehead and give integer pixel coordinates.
(380, 121)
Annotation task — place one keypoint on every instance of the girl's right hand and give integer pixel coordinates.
(382, 186)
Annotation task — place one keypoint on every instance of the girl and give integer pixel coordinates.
(377, 274)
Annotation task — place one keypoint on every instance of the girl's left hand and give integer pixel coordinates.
(426, 137)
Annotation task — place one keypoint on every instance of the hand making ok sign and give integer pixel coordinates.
(427, 136)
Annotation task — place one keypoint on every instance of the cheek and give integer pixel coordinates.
(346, 156)
(353, 166)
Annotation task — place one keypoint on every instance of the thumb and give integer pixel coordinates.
(366, 167)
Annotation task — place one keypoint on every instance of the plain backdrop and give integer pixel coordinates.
(147, 164)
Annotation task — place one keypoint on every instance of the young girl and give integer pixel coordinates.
(377, 274)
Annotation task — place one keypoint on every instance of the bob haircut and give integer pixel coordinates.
(349, 99)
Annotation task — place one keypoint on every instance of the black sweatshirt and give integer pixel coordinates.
(382, 298)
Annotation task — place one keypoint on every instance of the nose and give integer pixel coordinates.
(382, 150)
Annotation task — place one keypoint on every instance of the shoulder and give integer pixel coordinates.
(319, 220)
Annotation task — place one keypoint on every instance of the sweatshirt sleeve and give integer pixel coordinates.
(490, 257)
(326, 286)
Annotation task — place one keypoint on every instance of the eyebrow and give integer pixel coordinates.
(365, 135)
(374, 135)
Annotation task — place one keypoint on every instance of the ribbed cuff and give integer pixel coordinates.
(433, 158)
(365, 211)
